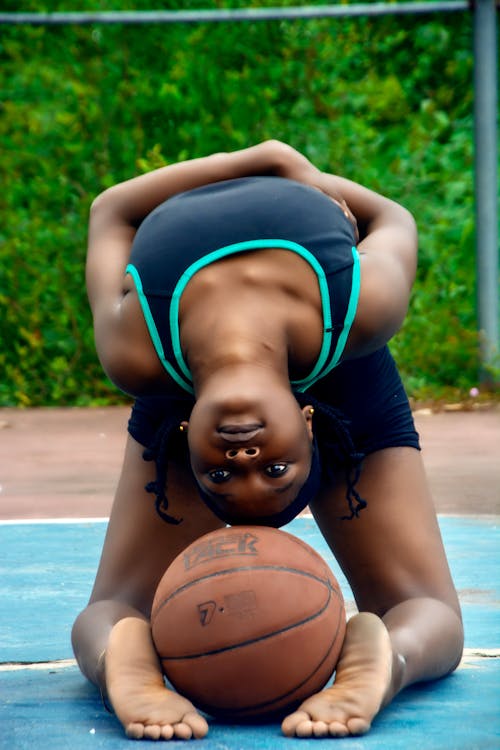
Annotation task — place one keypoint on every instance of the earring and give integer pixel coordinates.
(181, 427)
(311, 411)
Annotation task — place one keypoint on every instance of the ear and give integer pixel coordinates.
(308, 412)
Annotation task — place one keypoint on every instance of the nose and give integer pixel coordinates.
(243, 454)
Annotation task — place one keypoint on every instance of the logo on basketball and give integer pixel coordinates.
(206, 612)
(231, 544)
(241, 604)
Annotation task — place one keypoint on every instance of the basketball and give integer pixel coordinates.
(248, 621)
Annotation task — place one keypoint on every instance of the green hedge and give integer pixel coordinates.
(385, 101)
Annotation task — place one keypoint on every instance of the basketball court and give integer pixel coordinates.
(58, 469)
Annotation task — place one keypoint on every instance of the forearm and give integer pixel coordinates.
(372, 210)
(133, 200)
(116, 213)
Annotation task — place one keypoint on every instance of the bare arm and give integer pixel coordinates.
(388, 254)
(388, 249)
(388, 244)
(117, 212)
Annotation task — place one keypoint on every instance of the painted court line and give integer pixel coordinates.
(40, 521)
(17, 666)
(104, 519)
(469, 655)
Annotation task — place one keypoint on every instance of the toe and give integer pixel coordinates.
(358, 726)
(135, 731)
(152, 732)
(320, 729)
(183, 731)
(304, 729)
(198, 724)
(167, 732)
(291, 722)
(336, 729)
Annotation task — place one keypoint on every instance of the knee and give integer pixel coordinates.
(427, 631)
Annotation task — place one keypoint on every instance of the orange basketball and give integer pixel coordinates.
(248, 621)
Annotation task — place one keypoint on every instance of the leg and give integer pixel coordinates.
(111, 637)
(410, 627)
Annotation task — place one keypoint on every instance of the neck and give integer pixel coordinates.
(235, 377)
(240, 354)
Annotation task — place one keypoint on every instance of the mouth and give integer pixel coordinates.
(239, 433)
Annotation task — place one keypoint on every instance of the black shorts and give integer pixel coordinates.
(368, 391)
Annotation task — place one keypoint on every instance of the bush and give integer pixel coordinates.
(385, 101)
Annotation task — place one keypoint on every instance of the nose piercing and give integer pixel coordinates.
(234, 452)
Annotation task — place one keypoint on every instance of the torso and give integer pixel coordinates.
(275, 290)
(269, 286)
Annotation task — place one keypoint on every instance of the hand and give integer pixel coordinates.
(295, 166)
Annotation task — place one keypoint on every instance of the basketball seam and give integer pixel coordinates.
(239, 569)
(251, 641)
(283, 696)
(240, 712)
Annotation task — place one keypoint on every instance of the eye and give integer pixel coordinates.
(218, 476)
(276, 470)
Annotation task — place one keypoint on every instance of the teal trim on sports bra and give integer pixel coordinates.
(153, 331)
(302, 385)
(241, 247)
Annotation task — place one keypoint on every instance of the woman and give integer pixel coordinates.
(229, 297)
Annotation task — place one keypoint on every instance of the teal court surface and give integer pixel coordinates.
(58, 463)
(47, 568)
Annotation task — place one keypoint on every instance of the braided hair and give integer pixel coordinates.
(336, 449)
(167, 443)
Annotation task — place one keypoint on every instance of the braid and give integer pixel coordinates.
(336, 448)
(165, 444)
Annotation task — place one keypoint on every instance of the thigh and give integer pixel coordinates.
(139, 544)
(393, 551)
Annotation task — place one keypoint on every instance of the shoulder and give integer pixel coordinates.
(126, 351)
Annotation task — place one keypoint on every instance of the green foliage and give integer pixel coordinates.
(384, 101)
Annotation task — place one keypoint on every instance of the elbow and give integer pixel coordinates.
(408, 224)
(101, 203)
(99, 210)
(411, 224)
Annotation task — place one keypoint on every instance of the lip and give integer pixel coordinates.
(239, 433)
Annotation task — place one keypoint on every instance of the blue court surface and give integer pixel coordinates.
(47, 570)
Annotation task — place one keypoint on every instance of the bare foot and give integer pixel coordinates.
(363, 684)
(135, 687)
